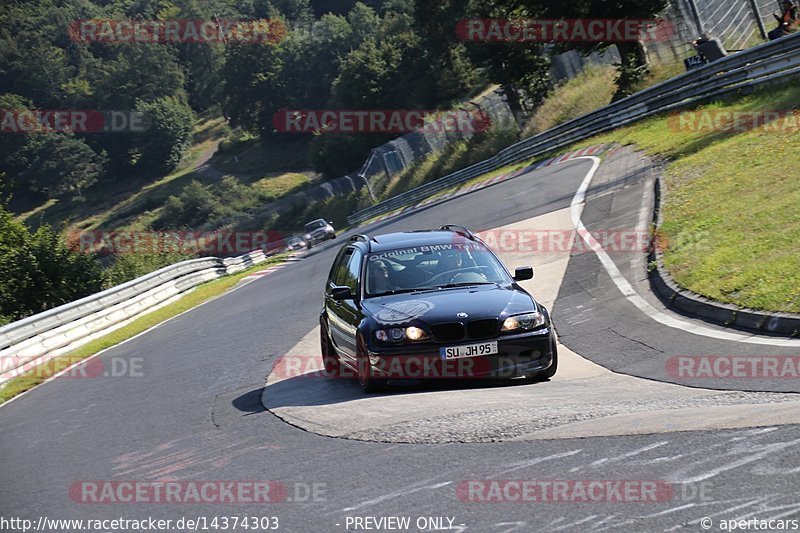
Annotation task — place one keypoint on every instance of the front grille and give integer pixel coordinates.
(480, 329)
(449, 331)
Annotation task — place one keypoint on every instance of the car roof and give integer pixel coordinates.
(410, 239)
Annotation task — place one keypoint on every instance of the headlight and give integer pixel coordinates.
(416, 334)
(308, 236)
(398, 334)
(527, 322)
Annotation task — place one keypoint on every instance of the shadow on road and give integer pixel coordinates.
(315, 390)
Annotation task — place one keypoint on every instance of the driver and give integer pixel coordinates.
(449, 261)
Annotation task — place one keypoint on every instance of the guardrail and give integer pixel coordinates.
(751, 67)
(57, 331)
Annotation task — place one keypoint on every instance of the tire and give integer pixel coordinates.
(329, 357)
(308, 246)
(366, 381)
(549, 372)
(334, 236)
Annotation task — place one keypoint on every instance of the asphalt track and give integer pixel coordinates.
(196, 411)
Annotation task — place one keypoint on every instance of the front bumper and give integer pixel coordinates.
(518, 355)
(320, 238)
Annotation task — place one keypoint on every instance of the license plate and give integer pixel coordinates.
(468, 350)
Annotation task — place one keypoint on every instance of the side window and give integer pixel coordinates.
(353, 271)
(341, 271)
(341, 259)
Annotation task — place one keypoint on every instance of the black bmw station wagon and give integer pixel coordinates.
(431, 304)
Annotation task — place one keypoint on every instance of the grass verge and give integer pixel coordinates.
(731, 212)
(201, 294)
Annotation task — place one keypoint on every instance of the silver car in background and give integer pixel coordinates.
(317, 231)
(295, 243)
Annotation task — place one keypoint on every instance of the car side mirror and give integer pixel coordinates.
(340, 293)
(523, 273)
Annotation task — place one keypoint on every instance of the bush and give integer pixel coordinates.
(195, 205)
(169, 133)
(38, 271)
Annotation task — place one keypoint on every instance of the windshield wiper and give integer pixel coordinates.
(396, 291)
(467, 284)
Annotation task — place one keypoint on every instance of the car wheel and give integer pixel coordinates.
(366, 380)
(548, 373)
(333, 236)
(308, 246)
(329, 357)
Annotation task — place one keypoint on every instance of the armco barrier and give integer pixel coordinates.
(62, 329)
(757, 65)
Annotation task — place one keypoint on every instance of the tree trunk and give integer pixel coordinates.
(514, 102)
(633, 67)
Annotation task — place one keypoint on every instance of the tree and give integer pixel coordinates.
(633, 64)
(58, 164)
(138, 73)
(38, 271)
(51, 163)
(253, 83)
(450, 68)
(514, 66)
(168, 135)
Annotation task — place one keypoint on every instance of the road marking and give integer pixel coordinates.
(576, 209)
(527, 464)
(393, 495)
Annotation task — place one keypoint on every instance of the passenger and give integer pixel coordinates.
(379, 277)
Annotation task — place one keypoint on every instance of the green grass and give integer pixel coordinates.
(202, 293)
(732, 204)
(589, 90)
(455, 156)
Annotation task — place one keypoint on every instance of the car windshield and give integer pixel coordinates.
(315, 225)
(432, 267)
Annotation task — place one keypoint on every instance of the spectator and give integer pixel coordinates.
(788, 21)
(710, 47)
